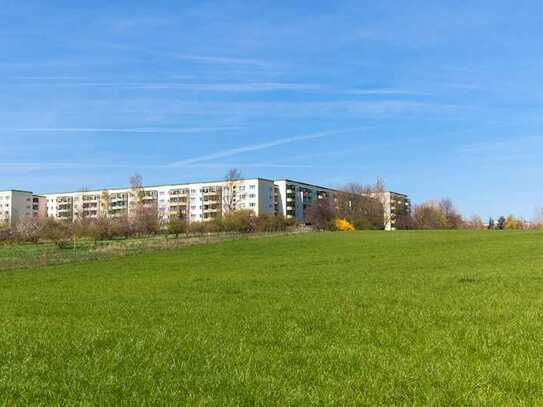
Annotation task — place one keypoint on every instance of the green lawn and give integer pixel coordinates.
(362, 318)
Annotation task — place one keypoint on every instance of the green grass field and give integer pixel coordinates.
(362, 318)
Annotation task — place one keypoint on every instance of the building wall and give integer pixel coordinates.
(195, 202)
(39, 206)
(395, 206)
(294, 198)
(15, 205)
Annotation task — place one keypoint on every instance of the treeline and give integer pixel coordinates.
(357, 207)
(143, 224)
(362, 209)
(444, 215)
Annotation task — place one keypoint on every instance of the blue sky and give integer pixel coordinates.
(438, 99)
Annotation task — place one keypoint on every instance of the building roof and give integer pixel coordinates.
(154, 186)
(15, 190)
(306, 183)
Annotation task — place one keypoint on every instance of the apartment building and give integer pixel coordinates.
(193, 201)
(16, 205)
(292, 198)
(397, 207)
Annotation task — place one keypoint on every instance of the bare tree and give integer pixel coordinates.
(231, 180)
(81, 214)
(437, 215)
(28, 229)
(137, 194)
(538, 219)
(321, 215)
(362, 205)
(105, 201)
(475, 223)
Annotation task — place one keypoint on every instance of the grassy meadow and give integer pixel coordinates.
(358, 318)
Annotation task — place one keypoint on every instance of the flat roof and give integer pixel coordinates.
(306, 183)
(16, 190)
(154, 186)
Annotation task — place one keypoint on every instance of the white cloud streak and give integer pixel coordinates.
(256, 147)
(219, 60)
(114, 130)
(384, 92)
(191, 87)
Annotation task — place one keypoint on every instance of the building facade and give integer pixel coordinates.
(16, 205)
(193, 202)
(292, 198)
(396, 208)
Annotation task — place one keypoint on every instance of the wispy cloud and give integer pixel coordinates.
(238, 87)
(138, 23)
(256, 147)
(114, 130)
(223, 60)
(234, 87)
(514, 149)
(384, 92)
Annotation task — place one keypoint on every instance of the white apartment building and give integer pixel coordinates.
(293, 197)
(16, 205)
(192, 201)
(396, 207)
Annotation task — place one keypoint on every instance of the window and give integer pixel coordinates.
(252, 187)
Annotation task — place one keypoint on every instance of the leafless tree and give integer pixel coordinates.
(437, 215)
(105, 201)
(231, 180)
(137, 194)
(362, 205)
(475, 222)
(28, 229)
(81, 214)
(321, 215)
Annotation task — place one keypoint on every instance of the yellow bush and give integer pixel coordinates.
(343, 225)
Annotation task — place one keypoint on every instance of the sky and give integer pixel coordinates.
(439, 99)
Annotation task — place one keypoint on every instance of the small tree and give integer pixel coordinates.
(105, 202)
(239, 221)
(476, 223)
(56, 231)
(512, 222)
(177, 226)
(501, 223)
(28, 230)
(362, 205)
(321, 215)
(5, 233)
(145, 221)
(269, 223)
(231, 178)
(343, 225)
(137, 194)
(491, 223)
